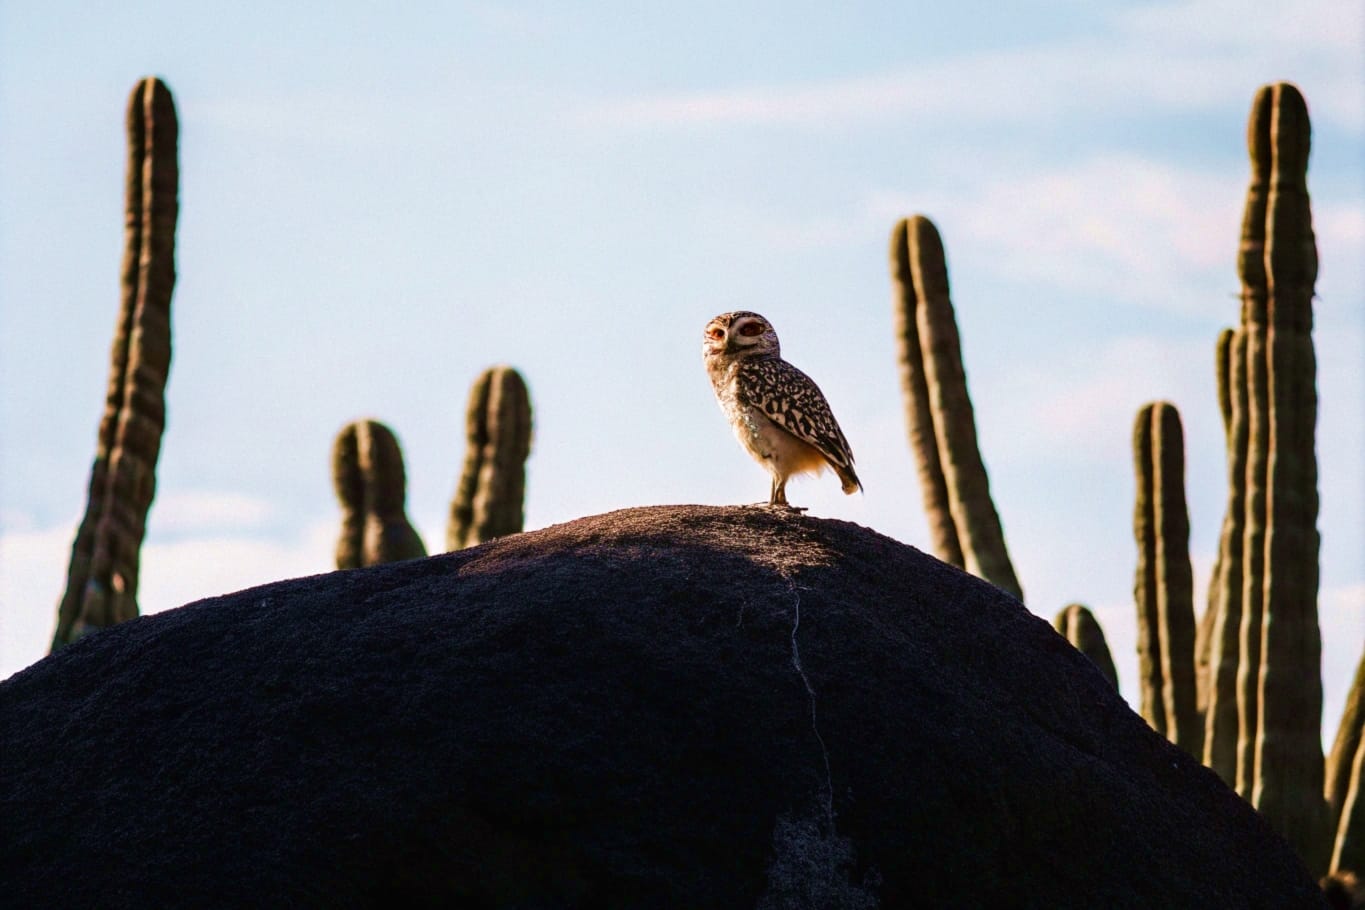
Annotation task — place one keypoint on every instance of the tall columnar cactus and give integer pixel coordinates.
(1345, 783)
(1221, 713)
(1350, 733)
(1164, 585)
(1348, 848)
(1203, 641)
(1079, 626)
(962, 518)
(101, 587)
(368, 475)
(489, 501)
(1345, 786)
(1282, 478)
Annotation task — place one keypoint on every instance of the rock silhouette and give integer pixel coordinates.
(678, 706)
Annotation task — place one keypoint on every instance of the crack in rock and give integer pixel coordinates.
(810, 691)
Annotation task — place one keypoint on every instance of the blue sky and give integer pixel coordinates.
(378, 201)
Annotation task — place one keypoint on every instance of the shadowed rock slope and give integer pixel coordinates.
(663, 707)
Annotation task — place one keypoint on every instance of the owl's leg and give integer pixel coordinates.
(778, 500)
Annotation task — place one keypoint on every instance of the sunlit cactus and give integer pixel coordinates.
(1345, 784)
(371, 484)
(964, 525)
(102, 579)
(1079, 626)
(1282, 481)
(489, 500)
(1221, 720)
(1164, 584)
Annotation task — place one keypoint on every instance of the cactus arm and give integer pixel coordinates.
(1251, 270)
(1175, 579)
(969, 498)
(371, 485)
(1079, 626)
(349, 485)
(102, 578)
(489, 500)
(1163, 588)
(1288, 788)
(460, 526)
(1346, 781)
(1226, 588)
(917, 246)
(1349, 735)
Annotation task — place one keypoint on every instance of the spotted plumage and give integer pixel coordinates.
(778, 412)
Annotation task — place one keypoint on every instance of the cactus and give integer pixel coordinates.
(1345, 781)
(1164, 585)
(102, 578)
(1221, 721)
(1288, 762)
(1348, 849)
(1079, 626)
(962, 517)
(1222, 357)
(1252, 271)
(1349, 736)
(1345, 785)
(910, 284)
(489, 500)
(1208, 623)
(368, 475)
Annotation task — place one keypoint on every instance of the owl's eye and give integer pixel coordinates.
(750, 329)
(715, 334)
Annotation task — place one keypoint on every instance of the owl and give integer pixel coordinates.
(777, 412)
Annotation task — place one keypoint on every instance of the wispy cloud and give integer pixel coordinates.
(1212, 53)
(178, 513)
(1116, 226)
(204, 559)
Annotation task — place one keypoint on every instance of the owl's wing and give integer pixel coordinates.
(792, 400)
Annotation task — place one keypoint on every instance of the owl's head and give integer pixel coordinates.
(739, 334)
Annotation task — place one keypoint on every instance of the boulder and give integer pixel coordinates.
(677, 706)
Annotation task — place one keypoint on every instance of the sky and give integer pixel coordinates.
(378, 201)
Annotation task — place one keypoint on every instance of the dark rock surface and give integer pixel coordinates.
(664, 707)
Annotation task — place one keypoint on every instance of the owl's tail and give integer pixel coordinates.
(851, 482)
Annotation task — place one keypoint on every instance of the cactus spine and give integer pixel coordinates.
(489, 500)
(962, 517)
(1079, 626)
(368, 475)
(1164, 584)
(102, 579)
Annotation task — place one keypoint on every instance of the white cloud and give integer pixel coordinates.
(1313, 27)
(1115, 226)
(216, 560)
(33, 565)
(1083, 402)
(1180, 56)
(201, 510)
(220, 561)
(1341, 615)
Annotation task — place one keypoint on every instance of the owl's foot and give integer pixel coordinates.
(780, 507)
(778, 499)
